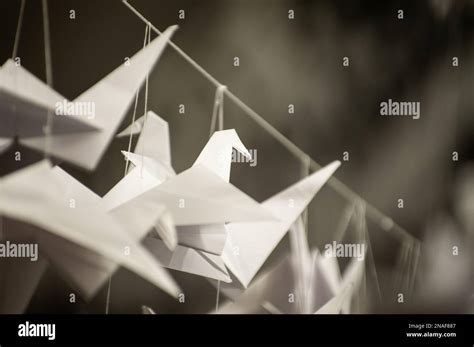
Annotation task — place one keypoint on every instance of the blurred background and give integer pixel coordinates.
(299, 62)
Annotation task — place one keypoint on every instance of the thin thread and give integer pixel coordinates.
(401, 264)
(134, 112)
(18, 29)
(365, 298)
(299, 260)
(374, 269)
(127, 161)
(218, 295)
(146, 106)
(218, 110)
(47, 45)
(417, 249)
(364, 229)
(212, 128)
(49, 74)
(409, 268)
(131, 132)
(107, 302)
(304, 172)
(221, 90)
(385, 222)
(344, 223)
(312, 290)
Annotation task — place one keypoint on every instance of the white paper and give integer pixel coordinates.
(112, 97)
(272, 287)
(217, 154)
(34, 196)
(256, 241)
(188, 260)
(5, 143)
(25, 102)
(208, 238)
(198, 196)
(154, 139)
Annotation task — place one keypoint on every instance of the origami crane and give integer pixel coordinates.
(249, 244)
(304, 282)
(36, 207)
(263, 236)
(200, 219)
(26, 102)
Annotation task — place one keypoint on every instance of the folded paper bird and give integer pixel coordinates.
(26, 103)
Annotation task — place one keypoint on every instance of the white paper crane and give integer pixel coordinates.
(249, 244)
(208, 200)
(35, 206)
(26, 102)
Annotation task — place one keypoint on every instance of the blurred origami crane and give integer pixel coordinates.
(26, 101)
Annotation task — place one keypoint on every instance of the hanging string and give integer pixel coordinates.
(299, 257)
(147, 32)
(385, 222)
(18, 30)
(127, 161)
(15, 49)
(49, 75)
(218, 117)
(218, 110)
(416, 257)
(47, 45)
(300, 254)
(344, 223)
(107, 301)
(407, 264)
(301, 285)
(135, 110)
(14, 54)
(413, 256)
(401, 266)
(146, 104)
(409, 268)
(218, 295)
(363, 235)
(363, 299)
(305, 170)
